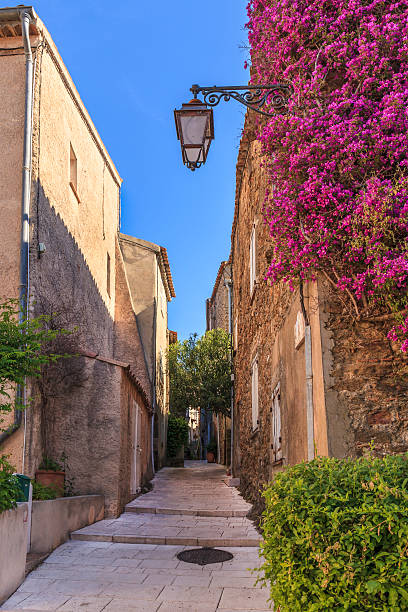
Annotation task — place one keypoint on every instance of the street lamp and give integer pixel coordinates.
(195, 130)
(195, 123)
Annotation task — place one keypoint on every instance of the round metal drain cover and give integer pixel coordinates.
(204, 556)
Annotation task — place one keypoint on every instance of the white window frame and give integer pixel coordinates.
(252, 260)
(276, 424)
(255, 393)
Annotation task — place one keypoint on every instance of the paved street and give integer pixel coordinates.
(131, 564)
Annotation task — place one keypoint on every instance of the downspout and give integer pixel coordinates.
(25, 209)
(309, 379)
(228, 284)
(154, 380)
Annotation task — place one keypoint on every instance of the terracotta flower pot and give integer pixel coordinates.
(49, 478)
(210, 457)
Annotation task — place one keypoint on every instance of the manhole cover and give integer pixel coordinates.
(204, 556)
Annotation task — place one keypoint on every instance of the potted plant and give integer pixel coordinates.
(211, 450)
(51, 474)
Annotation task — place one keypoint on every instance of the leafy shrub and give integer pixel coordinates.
(177, 434)
(336, 536)
(10, 491)
(41, 492)
(50, 464)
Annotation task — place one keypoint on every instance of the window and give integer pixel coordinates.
(73, 171)
(252, 260)
(108, 274)
(276, 426)
(255, 408)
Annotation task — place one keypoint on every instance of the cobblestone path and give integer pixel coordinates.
(130, 563)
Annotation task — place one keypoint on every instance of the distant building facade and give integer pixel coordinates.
(218, 315)
(96, 407)
(151, 288)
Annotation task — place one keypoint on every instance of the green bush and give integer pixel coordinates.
(336, 536)
(41, 492)
(177, 434)
(10, 491)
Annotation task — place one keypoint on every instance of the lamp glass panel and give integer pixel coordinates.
(194, 155)
(207, 143)
(193, 128)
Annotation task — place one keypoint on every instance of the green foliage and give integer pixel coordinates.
(51, 464)
(200, 373)
(177, 434)
(42, 493)
(212, 446)
(9, 488)
(336, 536)
(22, 351)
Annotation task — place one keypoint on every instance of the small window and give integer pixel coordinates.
(108, 274)
(252, 260)
(73, 171)
(255, 407)
(276, 425)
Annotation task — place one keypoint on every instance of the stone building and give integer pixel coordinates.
(308, 378)
(218, 315)
(96, 407)
(151, 288)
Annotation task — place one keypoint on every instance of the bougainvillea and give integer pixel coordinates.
(337, 162)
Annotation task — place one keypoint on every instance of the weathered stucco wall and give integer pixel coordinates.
(54, 519)
(145, 279)
(75, 406)
(13, 549)
(12, 91)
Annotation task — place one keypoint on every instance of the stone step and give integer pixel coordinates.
(173, 529)
(139, 509)
(170, 541)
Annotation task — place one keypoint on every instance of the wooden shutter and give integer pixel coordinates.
(255, 410)
(276, 425)
(252, 260)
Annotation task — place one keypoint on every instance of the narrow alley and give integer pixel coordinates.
(131, 563)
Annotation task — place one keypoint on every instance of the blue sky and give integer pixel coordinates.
(133, 62)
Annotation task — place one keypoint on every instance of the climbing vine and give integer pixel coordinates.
(336, 162)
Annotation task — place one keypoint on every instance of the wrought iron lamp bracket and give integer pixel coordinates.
(252, 96)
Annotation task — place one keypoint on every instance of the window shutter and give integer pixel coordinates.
(255, 409)
(276, 424)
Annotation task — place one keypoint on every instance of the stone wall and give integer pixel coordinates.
(359, 378)
(366, 383)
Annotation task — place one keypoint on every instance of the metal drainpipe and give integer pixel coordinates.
(228, 284)
(309, 380)
(25, 205)
(154, 385)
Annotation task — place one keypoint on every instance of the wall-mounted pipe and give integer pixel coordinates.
(228, 284)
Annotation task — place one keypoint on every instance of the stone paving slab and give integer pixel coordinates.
(199, 491)
(121, 565)
(162, 583)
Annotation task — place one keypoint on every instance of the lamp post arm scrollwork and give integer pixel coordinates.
(252, 96)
